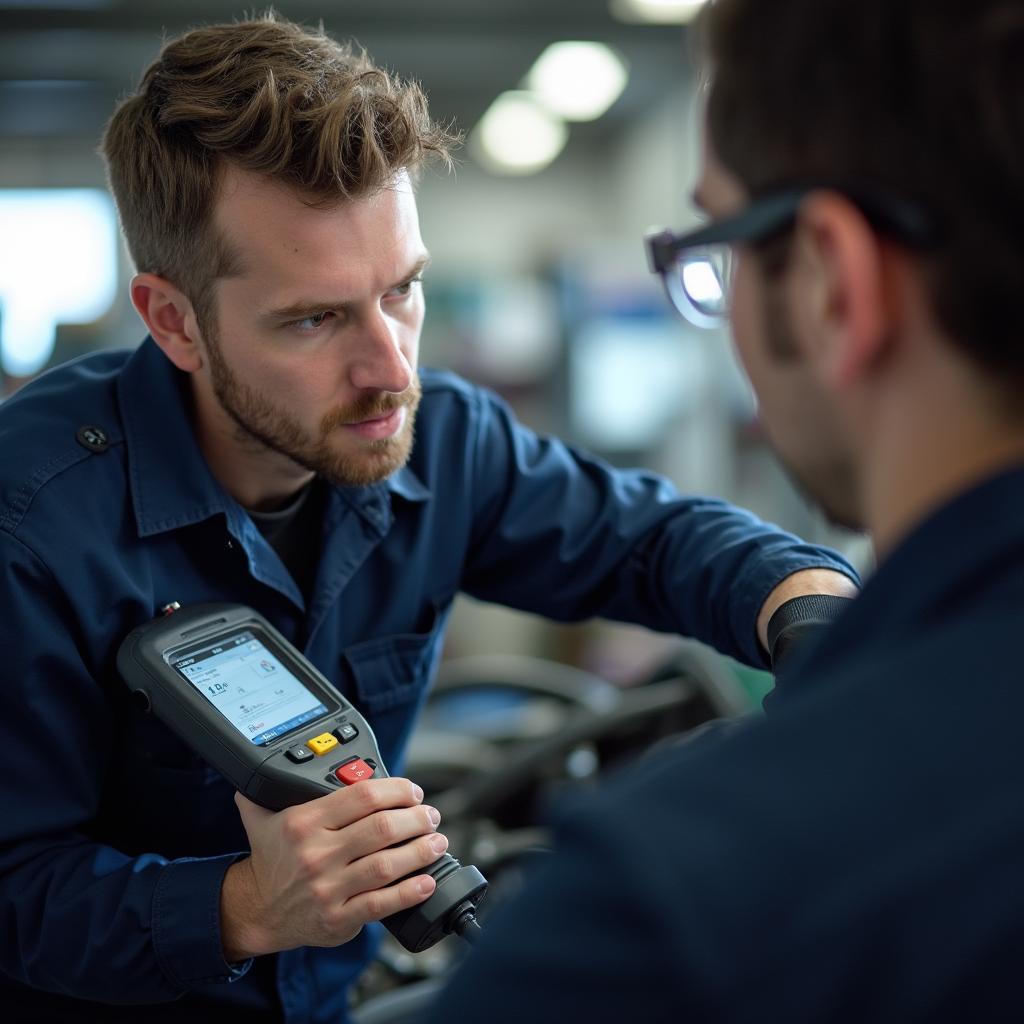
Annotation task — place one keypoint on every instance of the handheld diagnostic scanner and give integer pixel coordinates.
(248, 702)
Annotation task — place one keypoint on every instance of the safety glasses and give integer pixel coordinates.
(696, 267)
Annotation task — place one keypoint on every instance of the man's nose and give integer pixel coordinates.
(380, 364)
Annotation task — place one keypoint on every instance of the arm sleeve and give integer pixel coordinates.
(79, 917)
(565, 535)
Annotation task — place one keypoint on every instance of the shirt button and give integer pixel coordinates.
(93, 438)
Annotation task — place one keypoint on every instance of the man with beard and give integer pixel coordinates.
(855, 855)
(258, 447)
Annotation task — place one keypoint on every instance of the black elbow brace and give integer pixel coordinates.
(796, 621)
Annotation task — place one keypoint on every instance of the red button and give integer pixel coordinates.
(354, 771)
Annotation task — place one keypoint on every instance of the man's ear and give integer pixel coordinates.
(171, 320)
(847, 304)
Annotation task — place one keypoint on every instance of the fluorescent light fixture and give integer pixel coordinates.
(656, 12)
(519, 135)
(58, 265)
(578, 80)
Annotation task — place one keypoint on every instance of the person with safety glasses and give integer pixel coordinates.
(855, 854)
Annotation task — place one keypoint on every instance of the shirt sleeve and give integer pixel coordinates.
(565, 535)
(79, 917)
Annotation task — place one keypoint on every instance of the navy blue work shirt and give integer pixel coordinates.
(115, 837)
(854, 856)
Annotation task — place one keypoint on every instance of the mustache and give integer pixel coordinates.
(370, 407)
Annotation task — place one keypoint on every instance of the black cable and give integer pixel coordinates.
(468, 927)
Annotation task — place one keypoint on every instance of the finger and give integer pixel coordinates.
(354, 803)
(252, 815)
(385, 867)
(380, 903)
(388, 828)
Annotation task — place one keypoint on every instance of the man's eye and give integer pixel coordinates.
(402, 290)
(310, 323)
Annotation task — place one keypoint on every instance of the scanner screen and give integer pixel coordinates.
(250, 687)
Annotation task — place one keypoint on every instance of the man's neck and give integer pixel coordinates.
(926, 452)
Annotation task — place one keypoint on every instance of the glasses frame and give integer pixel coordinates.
(774, 212)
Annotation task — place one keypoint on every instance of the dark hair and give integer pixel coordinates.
(924, 97)
(267, 96)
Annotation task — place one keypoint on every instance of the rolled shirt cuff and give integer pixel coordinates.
(186, 922)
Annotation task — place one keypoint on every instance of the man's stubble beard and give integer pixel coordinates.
(826, 476)
(259, 423)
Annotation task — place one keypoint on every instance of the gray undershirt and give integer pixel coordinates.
(294, 532)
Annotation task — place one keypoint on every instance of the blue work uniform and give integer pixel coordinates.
(856, 855)
(115, 837)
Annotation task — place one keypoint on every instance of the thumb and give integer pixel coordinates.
(252, 815)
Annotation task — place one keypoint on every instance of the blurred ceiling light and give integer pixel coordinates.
(656, 12)
(519, 135)
(578, 80)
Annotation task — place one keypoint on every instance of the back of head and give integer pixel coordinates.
(921, 97)
(267, 96)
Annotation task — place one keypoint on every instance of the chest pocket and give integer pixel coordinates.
(389, 678)
(393, 670)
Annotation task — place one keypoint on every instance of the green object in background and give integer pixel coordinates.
(756, 683)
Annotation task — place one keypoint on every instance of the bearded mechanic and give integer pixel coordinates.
(258, 447)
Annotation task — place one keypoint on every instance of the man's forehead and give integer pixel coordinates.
(239, 189)
(268, 224)
(250, 209)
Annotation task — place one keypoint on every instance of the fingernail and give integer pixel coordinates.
(417, 792)
(425, 884)
(434, 815)
(438, 844)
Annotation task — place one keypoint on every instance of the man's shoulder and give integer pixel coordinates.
(890, 751)
(862, 730)
(65, 417)
(453, 410)
(67, 393)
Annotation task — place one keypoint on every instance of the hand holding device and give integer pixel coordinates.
(246, 700)
(319, 871)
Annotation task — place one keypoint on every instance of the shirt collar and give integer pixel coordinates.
(406, 484)
(978, 529)
(171, 483)
(973, 545)
(374, 503)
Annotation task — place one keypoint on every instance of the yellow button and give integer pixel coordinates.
(322, 743)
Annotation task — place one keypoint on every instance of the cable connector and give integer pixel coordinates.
(464, 923)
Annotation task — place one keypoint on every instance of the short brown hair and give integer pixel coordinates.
(923, 97)
(267, 96)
